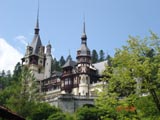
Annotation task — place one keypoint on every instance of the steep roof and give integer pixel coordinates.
(56, 73)
(69, 63)
(100, 66)
(36, 43)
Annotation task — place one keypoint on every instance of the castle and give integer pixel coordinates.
(77, 81)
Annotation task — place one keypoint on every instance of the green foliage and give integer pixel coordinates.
(21, 95)
(41, 111)
(133, 72)
(87, 113)
(57, 116)
(55, 65)
(143, 103)
(69, 116)
(101, 55)
(62, 61)
(94, 56)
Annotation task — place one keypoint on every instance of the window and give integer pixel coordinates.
(62, 84)
(39, 70)
(69, 81)
(66, 81)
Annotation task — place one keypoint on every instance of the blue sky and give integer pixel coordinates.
(108, 24)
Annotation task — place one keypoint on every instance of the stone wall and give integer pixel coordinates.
(70, 103)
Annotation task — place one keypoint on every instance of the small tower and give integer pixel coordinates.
(48, 62)
(83, 64)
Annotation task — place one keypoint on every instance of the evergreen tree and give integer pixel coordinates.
(23, 93)
(55, 65)
(108, 57)
(62, 61)
(5, 79)
(101, 56)
(3, 73)
(94, 56)
(17, 71)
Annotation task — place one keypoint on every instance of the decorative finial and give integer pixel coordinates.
(37, 23)
(84, 36)
(38, 16)
(84, 29)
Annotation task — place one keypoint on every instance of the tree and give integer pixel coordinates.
(62, 61)
(5, 79)
(57, 116)
(87, 113)
(101, 55)
(42, 111)
(3, 73)
(17, 70)
(94, 56)
(55, 65)
(134, 71)
(23, 94)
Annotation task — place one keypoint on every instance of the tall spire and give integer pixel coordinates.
(84, 27)
(84, 50)
(36, 42)
(37, 22)
(84, 36)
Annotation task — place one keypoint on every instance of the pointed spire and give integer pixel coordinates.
(37, 23)
(84, 36)
(36, 42)
(84, 27)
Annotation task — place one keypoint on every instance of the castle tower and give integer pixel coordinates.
(48, 62)
(35, 57)
(83, 65)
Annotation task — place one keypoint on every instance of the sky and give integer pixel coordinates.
(108, 25)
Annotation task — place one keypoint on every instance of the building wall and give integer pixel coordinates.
(70, 103)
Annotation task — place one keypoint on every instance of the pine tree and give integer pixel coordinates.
(101, 55)
(61, 61)
(55, 65)
(94, 56)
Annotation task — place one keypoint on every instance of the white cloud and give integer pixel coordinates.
(9, 56)
(22, 39)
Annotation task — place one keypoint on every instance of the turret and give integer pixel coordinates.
(48, 62)
(83, 54)
(83, 65)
